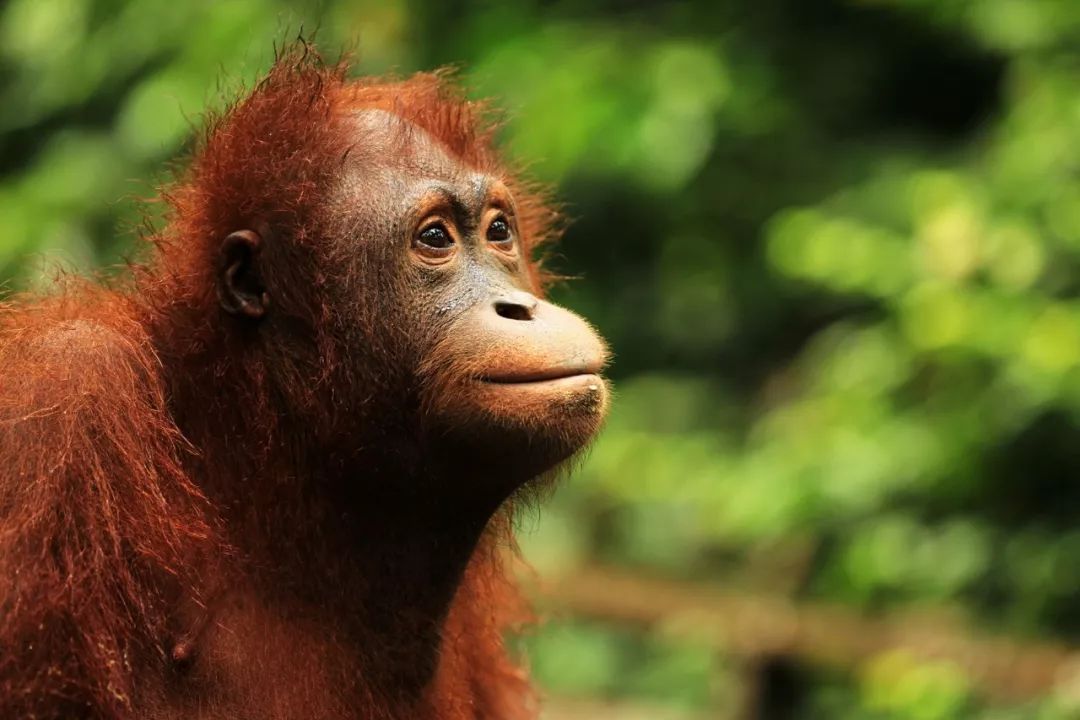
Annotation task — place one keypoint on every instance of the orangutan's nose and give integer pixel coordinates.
(516, 305)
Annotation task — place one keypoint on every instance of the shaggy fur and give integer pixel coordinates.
(183, 529)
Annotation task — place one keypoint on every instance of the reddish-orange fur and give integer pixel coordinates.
(156, 460)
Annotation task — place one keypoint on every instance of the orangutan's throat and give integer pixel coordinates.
(384, 574)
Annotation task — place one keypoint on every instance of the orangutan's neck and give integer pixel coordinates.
(379, 565)
(388, 574)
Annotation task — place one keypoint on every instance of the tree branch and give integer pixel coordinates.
(832, 635)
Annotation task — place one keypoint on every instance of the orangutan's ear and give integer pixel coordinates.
(240, 287)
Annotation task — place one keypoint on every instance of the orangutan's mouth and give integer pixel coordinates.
(567, 372)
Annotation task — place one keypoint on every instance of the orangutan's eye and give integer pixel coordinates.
(499, 231)
(435, 237)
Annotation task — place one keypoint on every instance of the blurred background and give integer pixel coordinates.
(835, 246)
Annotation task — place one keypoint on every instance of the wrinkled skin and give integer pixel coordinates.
(503, 374)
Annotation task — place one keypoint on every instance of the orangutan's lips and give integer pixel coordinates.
(563, 372)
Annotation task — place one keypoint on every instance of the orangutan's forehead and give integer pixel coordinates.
(387, 140)
(406, 161)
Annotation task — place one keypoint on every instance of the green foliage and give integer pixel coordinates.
(835, 247)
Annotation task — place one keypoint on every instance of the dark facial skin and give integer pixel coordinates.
(434, 301)
(505, 382)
